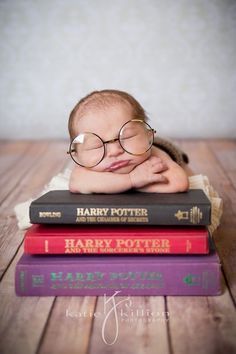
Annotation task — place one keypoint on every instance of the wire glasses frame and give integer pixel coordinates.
(81, 137)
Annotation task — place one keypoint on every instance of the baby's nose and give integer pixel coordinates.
(113, 148)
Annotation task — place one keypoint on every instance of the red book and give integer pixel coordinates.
(104, 239)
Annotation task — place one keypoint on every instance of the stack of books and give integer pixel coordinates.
(135, 243)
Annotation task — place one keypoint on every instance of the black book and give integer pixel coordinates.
(62, 207)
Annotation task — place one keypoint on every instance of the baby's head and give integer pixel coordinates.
(104, 116)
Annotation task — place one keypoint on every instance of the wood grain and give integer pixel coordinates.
(29, 181)
(22, 318)
(204, 325)
(141, 326)
(69, 327)
(195, 325)
(204, 157)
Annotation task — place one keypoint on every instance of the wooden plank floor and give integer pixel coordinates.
(179, 325)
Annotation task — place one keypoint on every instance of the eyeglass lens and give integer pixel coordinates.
(136, 137)
(88, 149)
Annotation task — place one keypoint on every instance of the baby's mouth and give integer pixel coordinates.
(117, 165)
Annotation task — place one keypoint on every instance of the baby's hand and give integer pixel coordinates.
(148, 172)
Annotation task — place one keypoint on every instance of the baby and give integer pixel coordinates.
(112, 145)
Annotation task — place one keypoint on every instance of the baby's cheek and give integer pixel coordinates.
(97, 168)
(140, 159)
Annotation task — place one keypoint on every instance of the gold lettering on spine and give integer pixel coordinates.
(194, 215)
(92, 211)
(46, 246)
(50, 214)
(117, 245)
(129, 212)
(112, 212)
(188, 246)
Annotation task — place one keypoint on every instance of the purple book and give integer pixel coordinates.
(131, 275)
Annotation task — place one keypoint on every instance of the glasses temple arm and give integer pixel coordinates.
(69, 152)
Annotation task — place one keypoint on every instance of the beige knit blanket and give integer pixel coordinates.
(61, 181)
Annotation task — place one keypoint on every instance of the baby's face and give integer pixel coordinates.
(106, 123)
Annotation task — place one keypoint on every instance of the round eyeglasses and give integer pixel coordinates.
(88, 149)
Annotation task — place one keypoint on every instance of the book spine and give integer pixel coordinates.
(181, 214)
(136, 280)
(76, 245)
